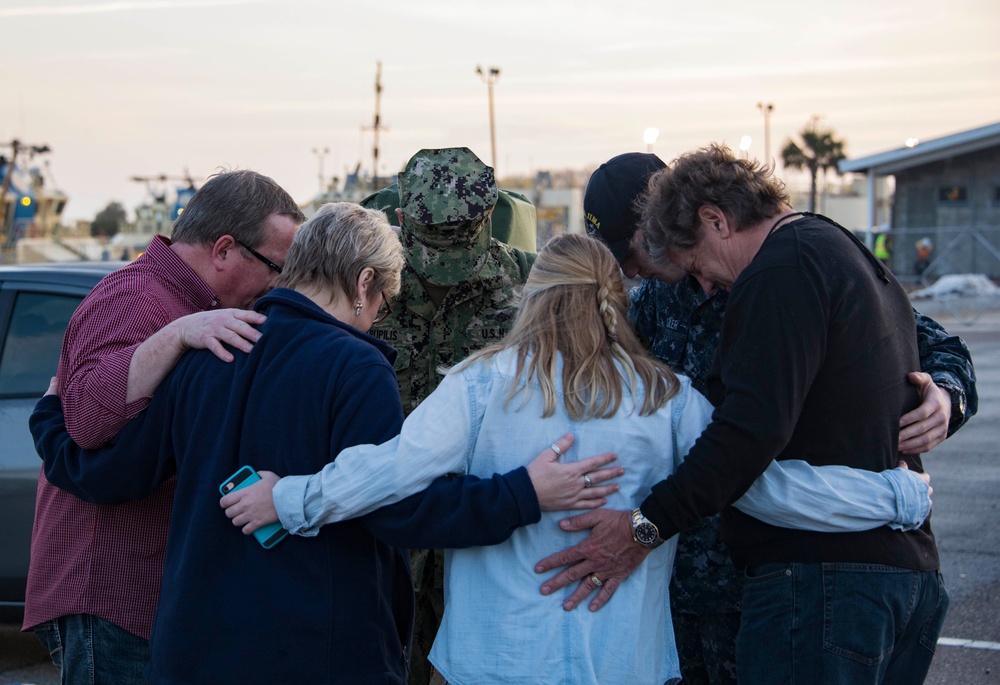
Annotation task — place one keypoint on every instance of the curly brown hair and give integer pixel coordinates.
(745, 190)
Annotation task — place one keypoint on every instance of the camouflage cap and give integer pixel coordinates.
(446, 196)
(514, 220)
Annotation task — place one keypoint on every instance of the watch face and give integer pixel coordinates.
(646, 533)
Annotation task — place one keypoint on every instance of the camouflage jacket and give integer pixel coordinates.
(681, 325)
(473, 314)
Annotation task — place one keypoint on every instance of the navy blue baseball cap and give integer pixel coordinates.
(609, 205)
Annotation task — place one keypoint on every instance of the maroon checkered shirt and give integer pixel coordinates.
(107, 561)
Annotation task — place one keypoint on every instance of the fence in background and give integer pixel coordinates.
(956, 250)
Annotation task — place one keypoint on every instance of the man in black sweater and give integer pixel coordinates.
(815, 349)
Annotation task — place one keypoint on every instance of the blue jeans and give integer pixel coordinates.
(88, 650)
(839, 624)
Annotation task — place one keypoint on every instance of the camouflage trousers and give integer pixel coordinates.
(706, 644)
(428, 587)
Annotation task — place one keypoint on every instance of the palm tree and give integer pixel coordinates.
(820, 151)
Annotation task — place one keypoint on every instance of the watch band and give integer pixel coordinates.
(645, 531)
(958, 404)
(958, 407)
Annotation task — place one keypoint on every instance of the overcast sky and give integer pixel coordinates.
(144, 87)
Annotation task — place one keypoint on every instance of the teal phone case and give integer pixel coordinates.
(269, 535)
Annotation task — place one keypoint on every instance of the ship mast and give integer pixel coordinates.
(377, 126)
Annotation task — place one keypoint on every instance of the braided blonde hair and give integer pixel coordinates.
(573, 304)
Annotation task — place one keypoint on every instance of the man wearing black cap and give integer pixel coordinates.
(682, 324)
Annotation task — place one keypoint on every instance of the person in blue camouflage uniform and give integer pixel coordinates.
(682, 325)
(457, 296)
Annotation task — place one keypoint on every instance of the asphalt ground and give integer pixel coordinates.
(965, 473)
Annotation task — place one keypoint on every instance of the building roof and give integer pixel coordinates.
(903, 158)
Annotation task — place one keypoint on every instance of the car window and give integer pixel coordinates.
(32, 342)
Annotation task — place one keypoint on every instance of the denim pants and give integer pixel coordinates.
(88, 650)
(839, 624)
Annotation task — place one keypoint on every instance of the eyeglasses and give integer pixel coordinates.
(383, 312)
(271, 265)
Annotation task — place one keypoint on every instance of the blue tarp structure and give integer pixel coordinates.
(184, 196)
(21, 193)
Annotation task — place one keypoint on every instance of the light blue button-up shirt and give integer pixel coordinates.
(497, 627)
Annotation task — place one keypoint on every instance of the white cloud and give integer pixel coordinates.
(122, 6)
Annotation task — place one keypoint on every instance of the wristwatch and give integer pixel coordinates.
(645, 531)
(958, 405)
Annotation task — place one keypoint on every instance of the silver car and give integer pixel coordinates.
(36, 302)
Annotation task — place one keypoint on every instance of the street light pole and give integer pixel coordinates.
(321, 155)
(649, 137)
(490, 77)
(766, 108)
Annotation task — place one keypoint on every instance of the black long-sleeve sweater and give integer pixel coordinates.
(815, 348)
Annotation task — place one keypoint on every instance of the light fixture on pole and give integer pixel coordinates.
(766, 108)
(649, 137)
(489, 77)
(320, 155)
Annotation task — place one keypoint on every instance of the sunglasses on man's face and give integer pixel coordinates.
(271, 265)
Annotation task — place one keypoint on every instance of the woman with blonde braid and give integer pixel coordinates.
(571, 363)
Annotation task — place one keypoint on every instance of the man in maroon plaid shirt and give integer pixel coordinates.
(94, 579)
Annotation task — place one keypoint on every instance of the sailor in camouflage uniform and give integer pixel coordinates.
(514, 219)
(457, 295)
(682, 325)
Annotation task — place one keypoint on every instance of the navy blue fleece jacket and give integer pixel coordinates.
(335, 608)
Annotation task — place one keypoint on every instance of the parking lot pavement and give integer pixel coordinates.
(23, 659)
(965, 473)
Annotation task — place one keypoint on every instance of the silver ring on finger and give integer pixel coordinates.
(596, 581)
(586, 480)
(555, 448)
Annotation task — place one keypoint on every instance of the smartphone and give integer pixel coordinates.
(269, 535)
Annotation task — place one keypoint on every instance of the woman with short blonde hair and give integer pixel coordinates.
(326, 255)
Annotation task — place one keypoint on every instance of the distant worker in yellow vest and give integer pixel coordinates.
(883, 248)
